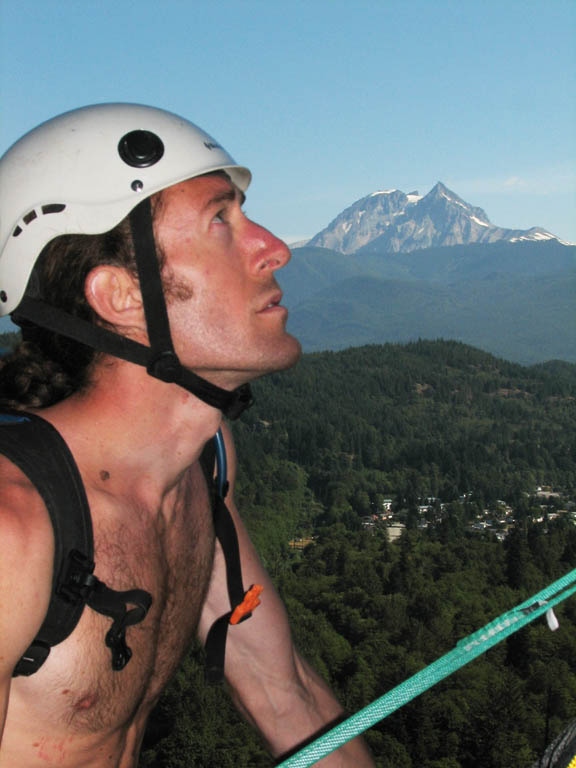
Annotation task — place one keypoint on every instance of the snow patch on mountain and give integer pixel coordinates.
(390, 221)
(413, 197)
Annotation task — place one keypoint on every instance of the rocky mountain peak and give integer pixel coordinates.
(390, 221)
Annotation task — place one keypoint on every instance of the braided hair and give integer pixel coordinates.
(48, 367)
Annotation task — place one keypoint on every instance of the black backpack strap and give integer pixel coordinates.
(242, 603)
(38, 449)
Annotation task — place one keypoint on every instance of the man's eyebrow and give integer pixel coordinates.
(228, 196)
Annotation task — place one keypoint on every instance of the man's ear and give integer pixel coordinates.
(114, 294)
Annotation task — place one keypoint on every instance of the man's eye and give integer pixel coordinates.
(220, 217)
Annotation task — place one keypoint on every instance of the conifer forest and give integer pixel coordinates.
(402, 497)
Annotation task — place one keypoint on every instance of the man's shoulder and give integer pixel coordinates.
(26, 562)
(24, 520)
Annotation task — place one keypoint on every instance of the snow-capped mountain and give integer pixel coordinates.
(391, 221)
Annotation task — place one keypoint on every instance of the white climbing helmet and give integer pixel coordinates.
(84, 171)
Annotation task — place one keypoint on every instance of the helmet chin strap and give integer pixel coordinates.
(164, 363)
(159, 359)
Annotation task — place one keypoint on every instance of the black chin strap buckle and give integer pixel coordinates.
(242, 400)
(166, 367)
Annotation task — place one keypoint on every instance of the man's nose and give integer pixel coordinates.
(272, 252)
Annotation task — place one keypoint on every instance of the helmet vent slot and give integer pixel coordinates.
(29, 217)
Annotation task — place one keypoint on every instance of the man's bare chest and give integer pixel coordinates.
(167, 552)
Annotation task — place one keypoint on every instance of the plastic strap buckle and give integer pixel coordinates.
(112, 603)
(78, 581)
(241, 400)
(250, 603)
(166, 367)
(116, 641)
(32, 660)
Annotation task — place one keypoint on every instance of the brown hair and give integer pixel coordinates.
(47, 367)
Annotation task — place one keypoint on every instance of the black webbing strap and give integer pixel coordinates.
(163, 363)
(225, 530)
(232, 404)
(34, 446)
(215, 646)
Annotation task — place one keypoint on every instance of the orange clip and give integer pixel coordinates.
(251, 601)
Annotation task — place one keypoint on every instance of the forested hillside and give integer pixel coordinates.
(515, 300)
(476, 457)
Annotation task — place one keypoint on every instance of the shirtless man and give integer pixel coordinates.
(137, 437)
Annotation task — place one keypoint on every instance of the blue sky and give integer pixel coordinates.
(326, 100)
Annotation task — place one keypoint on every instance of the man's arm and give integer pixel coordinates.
(270, 683)
(26, 564)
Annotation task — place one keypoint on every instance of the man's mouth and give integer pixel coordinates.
(273, 302)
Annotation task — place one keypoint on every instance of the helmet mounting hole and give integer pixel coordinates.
(140, 149)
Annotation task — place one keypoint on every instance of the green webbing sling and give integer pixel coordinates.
(467, 649)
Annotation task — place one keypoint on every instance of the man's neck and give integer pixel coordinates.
(133, 434)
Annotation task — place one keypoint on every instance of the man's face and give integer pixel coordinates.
(223, 300)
